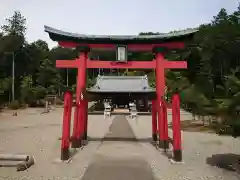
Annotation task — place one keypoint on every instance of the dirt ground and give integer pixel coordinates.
(124, 153)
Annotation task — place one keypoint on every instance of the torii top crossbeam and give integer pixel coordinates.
(133, 43)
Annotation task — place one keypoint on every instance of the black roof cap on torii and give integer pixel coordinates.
(58, 35)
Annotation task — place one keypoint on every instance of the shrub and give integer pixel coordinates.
(236, 127)
(40, 92)
(14, 105)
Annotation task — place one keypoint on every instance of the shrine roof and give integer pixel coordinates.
(59, 35)
(121, 84)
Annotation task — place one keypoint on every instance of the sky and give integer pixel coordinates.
(112, 17)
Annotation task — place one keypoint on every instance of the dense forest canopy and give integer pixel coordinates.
(210, 85)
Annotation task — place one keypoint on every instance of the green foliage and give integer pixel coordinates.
(40, 92)
(27, 91)
(73, 88)
(48, 76)
(91, 82)
(5, 85)
(151, 79)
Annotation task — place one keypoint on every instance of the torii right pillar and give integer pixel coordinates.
(161, 65)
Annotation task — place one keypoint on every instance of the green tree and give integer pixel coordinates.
(48, 76)
(16, 25)
(27, 91)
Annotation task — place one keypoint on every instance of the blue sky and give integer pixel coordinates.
(109, 17)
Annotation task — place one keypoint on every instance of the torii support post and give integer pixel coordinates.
(81, 128)
(66, 126)
(165, 125)
(154, 121)
(76, 142)
(85, 120)
(162, 122)
(176, 127)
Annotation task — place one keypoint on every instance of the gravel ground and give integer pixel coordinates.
(35, 134)
(38, 135)
(197, 148)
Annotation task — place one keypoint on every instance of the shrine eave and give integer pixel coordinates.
(96, 95)
(94, 90)
(62, 36)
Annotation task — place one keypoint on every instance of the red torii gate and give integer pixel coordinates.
(83, 62)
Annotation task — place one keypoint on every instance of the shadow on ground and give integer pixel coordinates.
(230, 162)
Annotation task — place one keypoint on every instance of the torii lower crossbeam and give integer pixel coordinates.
(115, 65)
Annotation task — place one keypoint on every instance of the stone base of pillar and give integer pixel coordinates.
(154, 136)
(164, 144)
(65, 154)
(76, 142)
(85, 135)
(177, 155)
